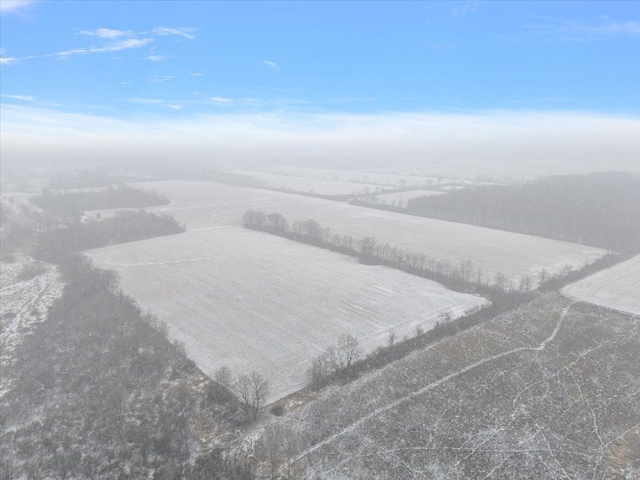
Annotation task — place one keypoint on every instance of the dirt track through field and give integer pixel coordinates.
(433, 385)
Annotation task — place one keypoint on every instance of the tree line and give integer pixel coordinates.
(52, 238)
(73, 204)
(464, 276)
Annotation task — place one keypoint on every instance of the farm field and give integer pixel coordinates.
(401, 198)
(311, 185)
(368, 177)
(547, 391)
(205, 205)
(250, 300)
(617, 287)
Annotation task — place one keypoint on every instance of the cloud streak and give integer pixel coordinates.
(271, 64)
(466, 8)
(495, 142)
(7, 6)
(185, 32)
(573, 30)
(106, 33)
(112, 40)
(23, 98)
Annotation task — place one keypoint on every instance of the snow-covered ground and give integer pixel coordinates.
(24, 303)
(202, 205)
(367, 177)
(617, 287)
(312, 185)
(250, 300)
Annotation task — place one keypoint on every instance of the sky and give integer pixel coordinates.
(272, 81)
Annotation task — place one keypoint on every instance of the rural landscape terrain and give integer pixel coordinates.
(318, 337)
(321, 240)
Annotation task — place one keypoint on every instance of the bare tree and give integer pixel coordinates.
(349, 350)
(224, 377)
(252, 388)
(391, 338)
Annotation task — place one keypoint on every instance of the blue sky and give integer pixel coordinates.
(164, 61)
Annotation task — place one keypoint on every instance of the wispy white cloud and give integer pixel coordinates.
(112, 40)
(155, 58)
(160, 78)
(6, 60)
(159, 102)
(148, 101)
(465, 8)
(221, 100)
(23, 98)
(116, 46)
(107, 33)
(196, 74)
(574, 30)
(122, 45)
(7, 6)
(186, 32)
(271, 64)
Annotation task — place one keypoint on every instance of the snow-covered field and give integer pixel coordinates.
(250, 300)
(204, 205)
(617, 287)
(24, 303)
(367, 177)
(401, 198)
(311, 185)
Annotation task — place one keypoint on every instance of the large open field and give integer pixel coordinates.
(250, 300)
(368, 177)
(311, 185)
(617, 287)
(548, 391)
(205, 205)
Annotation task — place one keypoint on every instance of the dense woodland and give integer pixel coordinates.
(73, 204)
(601, 210)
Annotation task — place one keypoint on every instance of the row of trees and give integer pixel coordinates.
(54, 237)
(73, 204)
(464, 276)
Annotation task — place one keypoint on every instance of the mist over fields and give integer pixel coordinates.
(328, 240)
(468, 144)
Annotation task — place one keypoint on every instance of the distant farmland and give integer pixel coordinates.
(312, 185)
(251, 300)
(617, 287)
(204, 205)
(367, 177)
